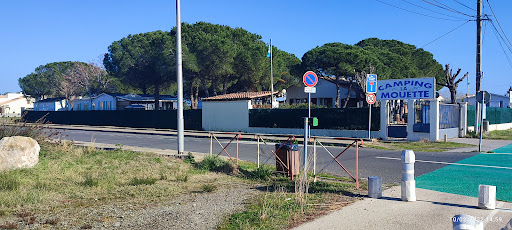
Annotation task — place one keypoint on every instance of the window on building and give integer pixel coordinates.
(101, 105)
(108, 105)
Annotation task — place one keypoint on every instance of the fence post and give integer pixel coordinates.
(408, 183)
(211, 143)
(258, 138)
(237, 138)
(357, 164)
(314, 159)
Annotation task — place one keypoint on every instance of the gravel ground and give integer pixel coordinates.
(190, 211)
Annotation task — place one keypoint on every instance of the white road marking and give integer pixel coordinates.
(491, 215)
(448, 163)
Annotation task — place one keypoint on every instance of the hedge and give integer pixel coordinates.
(347, 119)
(163, 119)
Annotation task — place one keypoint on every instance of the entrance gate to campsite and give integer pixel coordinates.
(404, 101)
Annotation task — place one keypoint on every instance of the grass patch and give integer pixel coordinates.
(421, 146)
(78, 177)
(499, 135)
(279, 208)
(143, 181)
(216, 164)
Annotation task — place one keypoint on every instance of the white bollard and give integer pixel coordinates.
(464, 222)
(479, 225)
(408, 183)
(374, 187)
(487, 196)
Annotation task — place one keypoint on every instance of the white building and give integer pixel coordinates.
(496, 100)
(102, 101)
(230, 112)
(325, 94)
(14, 104)
(51, 104)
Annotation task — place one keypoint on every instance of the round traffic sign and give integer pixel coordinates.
(310, 79)
(370, 98)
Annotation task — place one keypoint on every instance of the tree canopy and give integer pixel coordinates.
(343, 64)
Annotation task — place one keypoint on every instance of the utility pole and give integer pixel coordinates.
(271, 78)
(479, 8)
(179, 73)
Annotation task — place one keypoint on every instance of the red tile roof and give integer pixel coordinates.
(239, 96)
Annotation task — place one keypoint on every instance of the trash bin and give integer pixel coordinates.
(486, 126)
(289, 155)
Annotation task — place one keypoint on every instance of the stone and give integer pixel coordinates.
(18, 152)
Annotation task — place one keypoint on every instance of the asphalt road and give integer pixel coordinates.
(372, 162)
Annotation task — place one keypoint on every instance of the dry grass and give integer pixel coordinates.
(80, 177)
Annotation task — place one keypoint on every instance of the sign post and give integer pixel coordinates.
(482, 98)
(371, 88)
(310, 79)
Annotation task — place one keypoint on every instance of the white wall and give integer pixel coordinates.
(108, 101)
(226, 115)
(50, 106)
(17, 106)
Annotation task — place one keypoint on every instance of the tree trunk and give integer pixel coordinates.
(196, 98)
(337, 102)
(157, 97)
(205, 87)
(348, 96)
(453, 95)
(225, 85)
(214, 87)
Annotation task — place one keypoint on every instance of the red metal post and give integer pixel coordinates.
(357, 164)
(238, 137)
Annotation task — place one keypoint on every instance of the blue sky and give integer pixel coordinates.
(39, 32)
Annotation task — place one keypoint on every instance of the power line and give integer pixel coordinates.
(410, 11)
(445, 7)
(495, 18)
(464, 5)
(432, 10)
(496, 33)
(446, 33)
(506, 45)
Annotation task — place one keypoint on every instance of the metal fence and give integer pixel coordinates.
(421, 116)
(449, 116)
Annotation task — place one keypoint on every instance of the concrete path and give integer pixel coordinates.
(432, 210)
(487, 145)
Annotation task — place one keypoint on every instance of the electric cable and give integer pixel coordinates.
(496, 33)
(445, 7)
(446, 33)
(410, 11)
(464, 5)
(432, 10)
(497, 21)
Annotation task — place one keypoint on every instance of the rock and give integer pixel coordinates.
(18, 152)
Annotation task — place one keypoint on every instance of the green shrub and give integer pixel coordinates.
(9, 182)
(216, 164)
(143, 181)
(263, 173)
(208, 187)
(89, 181)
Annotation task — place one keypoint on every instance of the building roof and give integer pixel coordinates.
(12, 100)
(239, 96)
(52, 99)
(145, 97)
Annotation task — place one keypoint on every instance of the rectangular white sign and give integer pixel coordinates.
(411, 88)
(309, 89)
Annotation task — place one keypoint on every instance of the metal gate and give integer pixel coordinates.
(397, 118)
